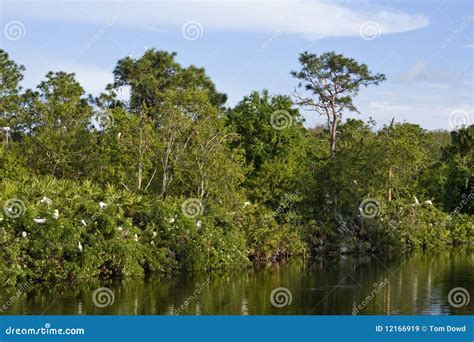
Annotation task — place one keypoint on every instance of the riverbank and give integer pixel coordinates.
(418, 284)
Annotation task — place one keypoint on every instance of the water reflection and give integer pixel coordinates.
(399, 286)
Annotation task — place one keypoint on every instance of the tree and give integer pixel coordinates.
(334, 80)
(267, 148)
(156, 72)
(11, 75)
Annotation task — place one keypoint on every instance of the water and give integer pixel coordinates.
(402, 286)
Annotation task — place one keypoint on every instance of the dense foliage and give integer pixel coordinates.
(172, 180)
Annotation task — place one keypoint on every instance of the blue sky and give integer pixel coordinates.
(424, 47)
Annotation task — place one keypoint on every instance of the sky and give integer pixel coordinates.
(424, 47)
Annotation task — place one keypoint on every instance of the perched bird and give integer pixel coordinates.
(135, 237)
(416, 201)
(40, 220)
(102, 205)
(23, 234)
(199, 224)
(83, 223)
(155, 234)
(119, 135)
(171, 220)
(120, 228)
(79, 247)
(246, 204)
(56, 214)
(428, 202)
(46, 200)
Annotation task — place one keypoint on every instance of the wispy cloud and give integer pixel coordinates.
(423, 73)
(310, 19)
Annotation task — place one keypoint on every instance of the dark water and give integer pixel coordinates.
(419, 284)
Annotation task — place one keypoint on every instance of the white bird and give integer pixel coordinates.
(79, 247)
(83, 223)
(155, 234)
(199, 224)
(172, 220)
(428, 202)
(120, 228)
(46, 200)
(40, 220)
(119, 135)
(416, 201)
(247, 204)
(135, 237)
(146, 48)
(56, 214)
(23, 234)
(102, 205)
(129, 55)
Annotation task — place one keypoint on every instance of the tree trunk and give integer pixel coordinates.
(332, 139)
(390, 185)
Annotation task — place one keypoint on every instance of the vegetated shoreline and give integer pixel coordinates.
(172, 180)
(124, 236)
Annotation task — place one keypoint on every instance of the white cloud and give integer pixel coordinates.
(388, 105)
(311, 19)
(424, 73)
